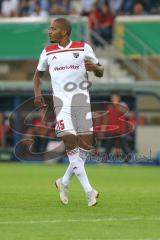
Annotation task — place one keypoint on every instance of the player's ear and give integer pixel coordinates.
(64, 32)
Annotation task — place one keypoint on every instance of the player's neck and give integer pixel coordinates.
(64, 42)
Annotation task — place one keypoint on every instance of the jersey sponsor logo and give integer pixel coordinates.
(76, 55)
(75, 67)
(54, 57)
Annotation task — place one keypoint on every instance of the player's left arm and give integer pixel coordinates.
(97, 69)
(91, 61)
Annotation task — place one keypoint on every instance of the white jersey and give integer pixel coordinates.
(67, 69)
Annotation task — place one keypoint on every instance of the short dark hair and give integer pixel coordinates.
(65, 24)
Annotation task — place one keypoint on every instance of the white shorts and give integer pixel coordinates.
(73, 120)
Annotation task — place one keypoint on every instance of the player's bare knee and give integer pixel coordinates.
(85, 142)
(70, 142)
(86, 146)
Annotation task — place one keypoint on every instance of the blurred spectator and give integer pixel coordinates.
(56, 10)
(115, 6)
(106, 24)
(126, 7)
(66, 5)
(60, 7)
(116, 127)
(25, 8)
(45, 4)
(9, 8)
(86, 7)
(38, 11)
(101, 21)
(147, 4)
(94, 17)
(115, 112)
(139, 9)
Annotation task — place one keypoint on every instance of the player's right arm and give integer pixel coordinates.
(41, 68)
(39, 100)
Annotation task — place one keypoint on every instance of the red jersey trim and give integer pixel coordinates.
(65, 50)
(77, 45)
(52, 48)
(73, 45)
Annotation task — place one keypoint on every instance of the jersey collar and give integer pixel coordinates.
(68, 46)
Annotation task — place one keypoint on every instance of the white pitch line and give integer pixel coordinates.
(120, 239)
(113, 219)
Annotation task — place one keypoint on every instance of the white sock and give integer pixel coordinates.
(67, 176)
(77, 166)
(84, 153)
(82, 177)
(72, 155)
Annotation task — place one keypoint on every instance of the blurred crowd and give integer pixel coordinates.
(97, 10)
(100, 13)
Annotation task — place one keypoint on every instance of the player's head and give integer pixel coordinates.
(60, 29)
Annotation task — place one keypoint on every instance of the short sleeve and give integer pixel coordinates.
(43, 64)
(89, 54)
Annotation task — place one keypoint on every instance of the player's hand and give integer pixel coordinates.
(39, 101)
(90, 66)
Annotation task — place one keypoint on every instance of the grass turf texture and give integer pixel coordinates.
(128, 209)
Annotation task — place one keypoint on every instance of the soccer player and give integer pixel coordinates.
(68, 63)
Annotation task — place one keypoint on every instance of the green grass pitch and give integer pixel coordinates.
(128, 208)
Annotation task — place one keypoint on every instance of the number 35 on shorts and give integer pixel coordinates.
(60, 125)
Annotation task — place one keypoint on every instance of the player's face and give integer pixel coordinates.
(55, 33)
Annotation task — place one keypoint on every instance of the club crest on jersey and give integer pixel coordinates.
(76, 55)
